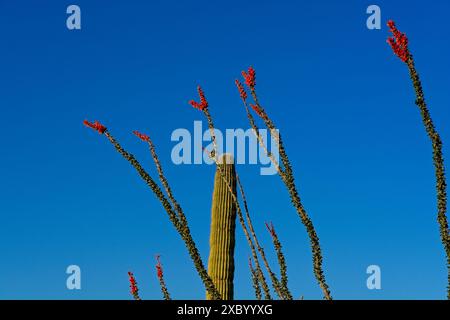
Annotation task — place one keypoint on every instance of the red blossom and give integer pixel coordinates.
(202, 96)
(241, 89)
(256, 109)
(399, 42)
(159, 270)
(96, 126)
(203, 102)
(271, 229)
(133, 284)
(141, 136)
(250, 77)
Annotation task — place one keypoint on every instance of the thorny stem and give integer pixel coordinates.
(165, 183)
(281, 260)
(261, 141)
(288, 179)
(438, 160)
(213, 135)
(162, 282)
(182, 229)
(282, 290)
(255, 280)
(164, 290)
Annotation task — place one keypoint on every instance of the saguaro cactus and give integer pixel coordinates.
(223, 226)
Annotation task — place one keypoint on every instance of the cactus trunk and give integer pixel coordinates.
(223, 226)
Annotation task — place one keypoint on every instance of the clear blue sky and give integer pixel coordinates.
(342, 100)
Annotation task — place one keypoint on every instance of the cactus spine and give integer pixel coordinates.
(223, 226)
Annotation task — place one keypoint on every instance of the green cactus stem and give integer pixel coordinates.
(223, 226)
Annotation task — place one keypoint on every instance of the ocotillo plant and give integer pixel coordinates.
(175, 214)
(282, 292)
(162, 282)
(204, 107)
(399, 44)
(133, 286)
(286, 174)
(255, 280)
(253, 243)
(218, 280)
(281, 260)
(223, 227)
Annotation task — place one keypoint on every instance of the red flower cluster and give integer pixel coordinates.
(96, 126)
(271, 229)
(256, 109)
(241, 89)
(399, 42)
(141, 136)
(250, 77)
(159, 270)
(203, 103)
(133, 284)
